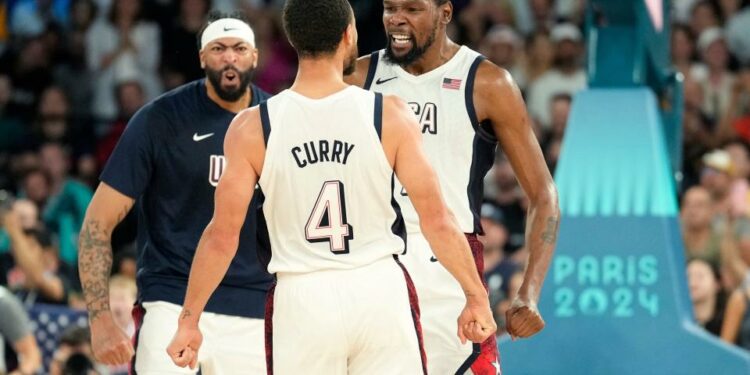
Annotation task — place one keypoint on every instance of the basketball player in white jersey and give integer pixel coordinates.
(325, 154)
(466, 106)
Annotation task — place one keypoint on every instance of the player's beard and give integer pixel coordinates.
(351, 62)
(229, 94)
(414, 54)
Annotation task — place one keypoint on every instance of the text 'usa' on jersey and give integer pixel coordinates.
(460, 150)
(328, 183)
(170, 160)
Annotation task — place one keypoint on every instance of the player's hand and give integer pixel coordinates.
(184, 346)
(523, 319)
(110, 343)
(476, 322)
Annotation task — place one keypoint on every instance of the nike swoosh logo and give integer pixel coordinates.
(199, 138)
(229, 29)
(433, 259)
(381, 81)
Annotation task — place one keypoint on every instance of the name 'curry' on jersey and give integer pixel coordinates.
(460, 149)
(327, 182)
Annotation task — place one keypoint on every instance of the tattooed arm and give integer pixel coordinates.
(107, 208)
(498, 100)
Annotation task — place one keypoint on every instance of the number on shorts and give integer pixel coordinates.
(327, 222)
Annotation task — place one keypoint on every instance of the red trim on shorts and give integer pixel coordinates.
(138, 314)
(489, 357)
(269, 329)
(415, 313)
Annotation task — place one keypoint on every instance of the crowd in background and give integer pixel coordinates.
(73, 72)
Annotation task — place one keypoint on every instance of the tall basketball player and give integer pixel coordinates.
(169, 161)
(325, 154)
(466, 106)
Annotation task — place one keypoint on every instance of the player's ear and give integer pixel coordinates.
(255, 57)
(350, 34)
(446, 12)
(202, 57)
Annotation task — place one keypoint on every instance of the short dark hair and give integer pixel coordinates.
(216, 15)
(440, 2)
(315, 28)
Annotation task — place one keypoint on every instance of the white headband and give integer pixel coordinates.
(227, 28)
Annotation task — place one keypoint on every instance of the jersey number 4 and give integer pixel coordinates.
(327, 222)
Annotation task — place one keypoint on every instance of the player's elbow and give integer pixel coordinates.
(222, 242)
(546, 199)
(439, 222)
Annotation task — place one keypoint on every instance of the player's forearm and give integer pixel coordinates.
(95, 264)
(212, 258)
(452, 251)
(541, 238)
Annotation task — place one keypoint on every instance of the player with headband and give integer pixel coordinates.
(169, 161)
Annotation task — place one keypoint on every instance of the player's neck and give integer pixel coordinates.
(318, 78)
(234, 107)
(441, 51)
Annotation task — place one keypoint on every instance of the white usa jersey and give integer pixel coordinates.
(460, 149)
(327, 182)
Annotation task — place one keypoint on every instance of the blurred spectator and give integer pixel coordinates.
(122, 296)
(539, 56)
(12, 129)
(705, 14)
(51, 120)
(713, 73)
(122, 47)
(130, 98)
(277, 64)
(39, 276)
(508, 200)
(718, 177)
(73, 71)
(32, 17)
(180, 47)
(682, 48)
(738, 35)
(699, 133)
(125, 262)
(543, 14)
(565, 76)
(35, 186)
(740, 189)
(67, 202)
(15, 329)
(706, 295)
(74, 355)
(737, 116)
(696, 215)
(30, 71)
(729, 8)
(503, 46)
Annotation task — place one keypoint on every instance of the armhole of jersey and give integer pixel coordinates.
(265, 122)
(374, 57)
(378, 117)
(469, 100)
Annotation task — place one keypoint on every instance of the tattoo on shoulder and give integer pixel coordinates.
(550, 231)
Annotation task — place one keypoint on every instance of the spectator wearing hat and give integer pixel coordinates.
(713, 73)
(565, 76)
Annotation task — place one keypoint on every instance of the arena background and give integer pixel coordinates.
(642, 109)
